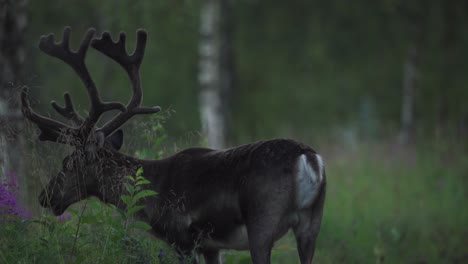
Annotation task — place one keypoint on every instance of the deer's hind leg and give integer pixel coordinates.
(308, 227)
(265, 224)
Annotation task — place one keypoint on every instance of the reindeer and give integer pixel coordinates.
(242, 198)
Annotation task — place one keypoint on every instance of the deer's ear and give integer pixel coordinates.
(100, 139)
(116, 139)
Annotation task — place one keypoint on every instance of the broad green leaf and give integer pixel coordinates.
(144, 181)
(139, 172)
(94, 204)
(134, 210)
(139, 225)
(127, 199)
(130, 189)
(130, 178)
(143, 194)
(89, 219)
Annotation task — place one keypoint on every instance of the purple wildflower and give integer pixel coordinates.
(9, 206)
(64, 217)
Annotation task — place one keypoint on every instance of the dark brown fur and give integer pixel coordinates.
(245, 197)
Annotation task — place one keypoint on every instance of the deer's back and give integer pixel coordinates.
(211, 191)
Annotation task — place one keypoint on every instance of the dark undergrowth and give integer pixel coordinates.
(381, 207)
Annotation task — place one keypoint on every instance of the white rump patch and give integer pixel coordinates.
(320, 165)
(308, 180)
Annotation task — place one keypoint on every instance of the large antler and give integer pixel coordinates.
(63, 52)
(131, 64)
(58, 132)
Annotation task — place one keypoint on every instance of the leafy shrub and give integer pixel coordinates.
(89, 232)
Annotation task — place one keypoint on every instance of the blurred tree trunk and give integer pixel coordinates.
(216, 71)
(410, 71)
(13, 22)
(410, 80)
(447, 66)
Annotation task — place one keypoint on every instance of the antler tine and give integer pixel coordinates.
(68, 111)
(51, 130)
(62, 51)
(131, 63)
(118, 52)
(123, 117)
(75, 60)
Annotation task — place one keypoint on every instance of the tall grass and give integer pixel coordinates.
(89, 232)
(383, 205)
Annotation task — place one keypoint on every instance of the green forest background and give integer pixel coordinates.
(328, 73)
(304, 69)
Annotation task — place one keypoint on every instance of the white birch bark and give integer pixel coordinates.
(214, 72)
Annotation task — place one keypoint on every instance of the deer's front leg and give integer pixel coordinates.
(211, 256)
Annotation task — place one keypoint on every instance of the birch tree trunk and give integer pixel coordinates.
(409, 84)
(13, 21)
(215, 70)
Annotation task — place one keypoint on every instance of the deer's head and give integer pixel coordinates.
(82, 171)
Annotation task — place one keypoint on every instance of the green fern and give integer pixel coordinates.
(135, 194)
